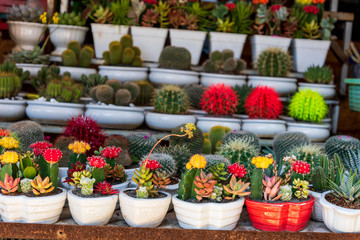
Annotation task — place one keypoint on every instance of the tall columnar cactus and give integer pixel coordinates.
(75, 56)
(213, 160)
(223, 62)
(216, 136)
(274, 62)
(308, 105)
(257, 175)
(194, 92)
(284, 142)
(195, 144)
(28, 133)
(146, 93)
(175, 58)
(166, 161)
(11, 79)
(245, 136)
(243, 92)
(171, 100)
(180, 153)
(340, 144)
(140, 145)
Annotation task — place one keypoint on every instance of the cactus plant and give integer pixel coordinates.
(340, 144)
(146, 93)
(318, 74)
(11, 79)
(213, 160)
(195, 144)
(286, 141)
(25, 13)
(274, 62)
(246, 136)
(92, 80)
(73, 56)
(308, 105)
(175, 58)
(71, 19)
(28, 132)
(352, 160)
(44, 76)
(133, 88)
(243, 92)
(64, 90)
(180, 153)
(171, 99)
(224, 63)
(215, 136)
(194, 92)
(30, 56)
(166, 161)
(140, 145)
(120, 141)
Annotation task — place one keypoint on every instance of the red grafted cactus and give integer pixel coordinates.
(219, 99)
(263, 103)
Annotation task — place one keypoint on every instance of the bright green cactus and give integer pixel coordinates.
(244, 136)
(187, 186)
(74, 56)
(11, 79)
(207, 148)
(195, 144)
(146, 93)
(194, 92)
(256, 184)
(171, 99)
(223, 62)
(216, 136)
(64, 90)
(175, 58)
(274, 62)
(166, 161)
(286, 141)
(140, 145)
(340, 144)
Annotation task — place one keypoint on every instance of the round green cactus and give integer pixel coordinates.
(122, 97)
(274, 62)
(223, 62)
(171, 99)
(244, 136)
(195, 144)
(180, 153)
(133, 88)
(340, 144)
(286, 141)
(194, 92)
(140, 145)
(11, 79)
(105, 94)
(166, 161)
(114, 83)
(28, 133)
(175, 58)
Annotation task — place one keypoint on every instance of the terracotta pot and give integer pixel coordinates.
(277, 217)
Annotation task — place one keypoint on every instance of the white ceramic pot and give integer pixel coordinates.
(25, 209)
(260, 43)
(317, 209)
(104, 34)
(61, 35)
(32, 68)
(206, 123)
(189, 39)
(53, 112)
(307, 52)
(92, 211)
(150, 40)
(233, 41)
(76, 72)
(282, 85)
(129, 173)
(62, 175)
(265, 128)
(207, 79)
(326, 90)
(26, 35)
(111, 116)
(167, 122)
(124, 74)
(143, 212)
(215, 216)
(339, 219)
(171, 76)
(12, 110)
(315, 132)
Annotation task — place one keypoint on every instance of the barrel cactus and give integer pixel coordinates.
(140, 145)
(340, 144)
(194, 92)
(28, 133)
(167, 162)
(171, 99)
(224, 63)
(195, 144)
(11, 79)
(286, 141)
(146, 93)
(245, 136)
(180, 153)
(75, 56)
(216, 136)
(274, 62)
(175, 58)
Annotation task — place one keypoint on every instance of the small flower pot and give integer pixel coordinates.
(317, 210)
(315, 132)
(206, 123)
(214, 216)
(12, 110)
(76, 72)
(207, 79)
(222, 40)
(326, 90)
(160, 76)
(32, 68)
(282, 85)
(265, 128)
(278, 217)
(26, 35)
(124, 74)
(260, 43)
(167, 122)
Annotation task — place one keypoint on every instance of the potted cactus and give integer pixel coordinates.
(273, 66)
(223, 67)
(64, 28)
(319, 79)
(310, 108)
(174, 68)
(25, 26)
(263, 105)
(123, 61)
(171, 107)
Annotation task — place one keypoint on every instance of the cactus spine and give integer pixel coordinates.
(140, 145)
(175, 58)
(286, 141)
(256, 184)
(274, 62)
(194, 92)
(171, 100)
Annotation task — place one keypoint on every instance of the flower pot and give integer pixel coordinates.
(26, 35)
(139, 212)
(150, 40)
(61, 35)
(170, 76)
(129, 173)
(265, 128)
(167, 122)
(307, 52)
(315, 132)
(326, 90)
(76, 72)
(354, 94)
(104, 34)
(233, 41)
(207, 79)
(277, 217)
(92, 210)
(124, 74)
(12, 110)
(111, 116)
(69, 187)
(260, 43)
(32, 68)
(206, 123)
(189, 39)
(53, 112)
(282, 85)
(215, 216)
(25, 209)
(317, 209)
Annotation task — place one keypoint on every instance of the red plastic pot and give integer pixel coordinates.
(277, 217)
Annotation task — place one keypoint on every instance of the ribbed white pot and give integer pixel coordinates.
(124, 74)
(25, 209)
(189, 39)
(317, 209)
(32, 68)
(12, 110)
(167, 122)
(172, 76)
(207, 79)
(61, 35)
(307, 52)
(26, 35)
(150, 40)
(260, 43)
(282, 85)
(111, 116)
(206, 123)
(104, 34)
(264, 127)
(76, 72)
(315, 132)
(326, 90)
(215, 216)
(233, 41)
(139, 212)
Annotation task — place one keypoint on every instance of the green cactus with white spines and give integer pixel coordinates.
(352, 160)
(75, 56)
(180, 153)
(87, 185)
(175, 58)
(194, 144)
(146, 93)
(140, 145)
(212, 160)
(274, 62)
(25, 185)
(284, 142)
(286, 193)
(340, 144)
(194, 93)
(11, 79)
(167, 162)
(171, 99)
(245, 136)
(224, 63)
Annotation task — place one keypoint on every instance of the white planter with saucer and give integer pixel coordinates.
(124, 74)
(328, 91)
(171, 76)
(265, 128)
(207, 79)
(222, 40)
(282, 85)
(167, 122)
(206, 123)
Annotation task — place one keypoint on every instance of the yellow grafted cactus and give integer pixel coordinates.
(41, 186)
(197, 161)
(262, 162)
(9, 157)
(9, 142)
(79, 147)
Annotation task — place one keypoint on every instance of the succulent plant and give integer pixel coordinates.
(340, 144)
(116, 173)
(242, 92)
(44, 76)
(41, 186)
(194, 92)
(284, 142)
(75, 56)
(348, 189)
(140, 145)
(145, 94)
(28, 132)
(218, 169)
(194, 144)
(10, 185)
(64, 90)
(143, 177)
(175, 58)
(204, 185)
(272, 188)
(274, 62)
(24, 13)
(301, 188)
(11, 79)
(224, 63)
(87, 185)
(286, 193)
(213, 160)
(30, 56)
(246, 136)
(161, 179)
(25, 185)
(71, 19)
(352, 160)
(317, 74)
(236, 188)
(166, 161)
(171, 99)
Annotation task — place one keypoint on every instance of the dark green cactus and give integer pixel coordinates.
(246, 136)
(187, 185)
(194, 92)
(75, 46)
(73, 56)
(181, 154)
(115, 53)
(45, 75)
(340, 144)
(140, 145)
(28, 132)
(115, 84)
(256, 185)
(167, 162)
(352, 160)
(224, 63)
(93, 80)
(122, 97)
(133, 88)
(242, 92)
(274, 62)
(146, 93)
(171, 100)
(175, 58)
(284, 142)
(194, 144)
(11, 79)
(85, 56)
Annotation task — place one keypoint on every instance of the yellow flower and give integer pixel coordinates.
(262, 162)
(55, 18)
(43, 17)
(9, 142)
(79, 147)
(304, 2)
(196, 161)
(189, 128)
(9, 157)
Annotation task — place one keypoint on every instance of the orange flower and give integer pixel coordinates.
(260, 2)
(318, 1)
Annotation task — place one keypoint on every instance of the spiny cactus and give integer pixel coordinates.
(274, 62)
(146, 93)
(133, 88)
(120, 141)
(92, 80)
(223, 62)
(317, 74)
(246, 136)
(44, 76)
(75, 56)
(256, 184)
(243, 92)
(122, 97)
(194, 144)
(62, 143)
(194, 92)
(166, 161)
(71, 19)
(28, 133)
(352, 160)
(181, 154)
(212, 160)
(140, 145)
(175, 58)
(216, 136)
(64, 90)
(171, 99)
(30, 56)
(286, 141)
(340, 144)
(24, 13)
(11, 79)
(105, 94)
